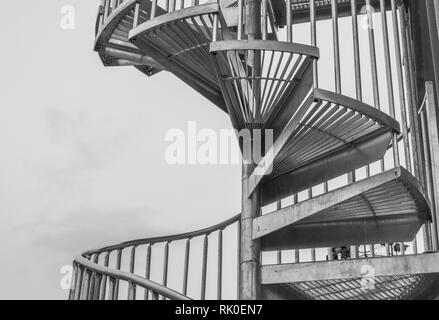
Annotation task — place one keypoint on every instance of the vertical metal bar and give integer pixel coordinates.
(357, 61)
(85, 285)
(313, 250)
(409, 90)
(389, 78)
(107, 8)
(136, 14)
(79, 282)
(238, 261)
(165, 265)
(153, 8)
(111, 288)
(433, 135)
(172, 5)
(296, 251)
(240, 18)
(204, 268)
(373, 63)
(411, 75)
(279, 252)
(336, 45)
(105, 278)
(289, 22)
(97, 286)
(313, 21)
(73, 286)
(148, 268)
(118, 265)
(264, 20)
(428, 181)
(132, 286)
(220, 265)
(402, 100)
(215, 28)
(186, 265)
(93, 278)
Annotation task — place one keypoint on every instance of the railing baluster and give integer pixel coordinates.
(104, 279)
(204, 268)
(264, 20)
(172, 5)
(153, 8)
(296, 251)
(186, 265)
(220, 265)
(165, 265)
(289, 22)
(73, 287)
(429, 181)
(107, 8)
(313, 250)
(136, 14)
(148, 267)
(85, 285)
(336, 45)
(313, 21)
(238, 277)
(240, 19)
(391, 100)
(396, 37)
(112, 288)
(279, 252)
(118, 266)
(79, 283)
(97, 286)
(131, 286)
(91, 294)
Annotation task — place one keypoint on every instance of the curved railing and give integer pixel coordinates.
(100, 274)
(89, 277)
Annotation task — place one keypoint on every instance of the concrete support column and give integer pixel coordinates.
(249, 287)
(250, 249)
(432, 7)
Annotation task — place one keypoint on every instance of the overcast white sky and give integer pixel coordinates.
(83, 146)
(82, 150)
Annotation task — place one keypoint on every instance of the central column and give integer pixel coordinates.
(249, 286)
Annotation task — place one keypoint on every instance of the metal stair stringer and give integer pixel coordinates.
(386, 208)
(111, 42)
(179, 40)
(334, 135)
(380, 278)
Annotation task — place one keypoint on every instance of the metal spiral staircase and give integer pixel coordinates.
(240, 55)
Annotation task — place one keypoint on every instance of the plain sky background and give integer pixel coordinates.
(82, 150)
(83, 146)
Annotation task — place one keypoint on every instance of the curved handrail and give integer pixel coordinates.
(180, 14)
(268, 45)
(132, 278)
(358, 106)
(170, 238)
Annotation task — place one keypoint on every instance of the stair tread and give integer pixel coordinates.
(355, 214)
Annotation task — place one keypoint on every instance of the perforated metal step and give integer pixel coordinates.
(387, 208)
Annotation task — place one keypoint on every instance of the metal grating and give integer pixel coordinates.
(377, 288)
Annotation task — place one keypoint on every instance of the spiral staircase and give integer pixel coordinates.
(319, 135)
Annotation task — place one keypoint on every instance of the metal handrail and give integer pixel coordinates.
(130, 277)
(169, 238)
